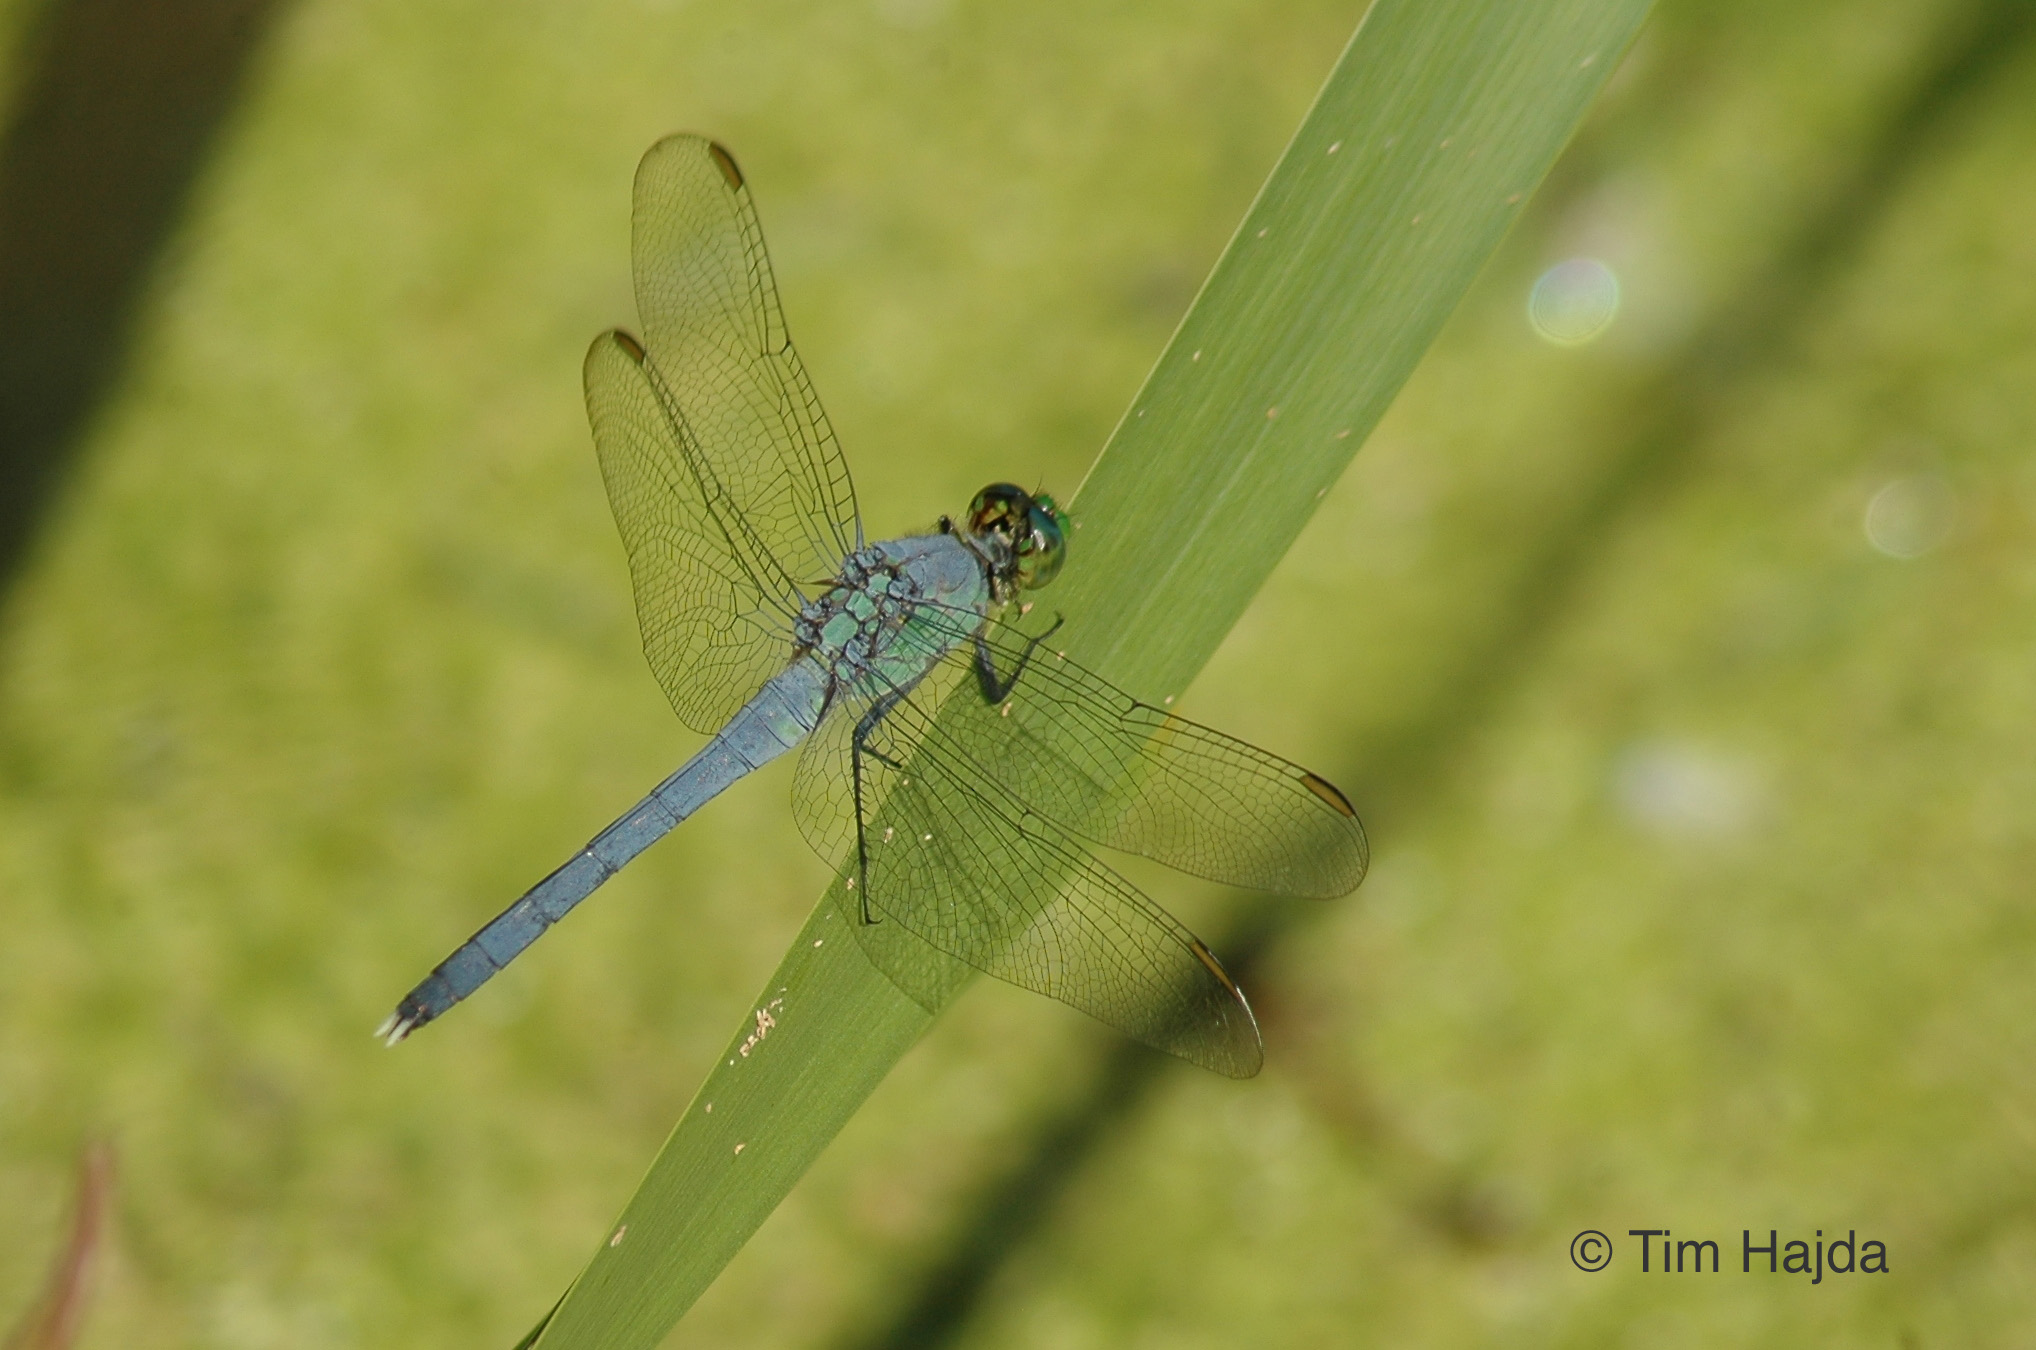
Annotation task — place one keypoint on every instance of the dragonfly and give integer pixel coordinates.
(958, 767)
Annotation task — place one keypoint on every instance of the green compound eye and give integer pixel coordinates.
(1043, 547)
(996, 506)
(1034, 527)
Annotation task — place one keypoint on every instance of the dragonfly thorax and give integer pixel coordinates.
(895, 607)
(848, 620)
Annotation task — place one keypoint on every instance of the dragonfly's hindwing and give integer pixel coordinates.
(967, 870)
(712, 634)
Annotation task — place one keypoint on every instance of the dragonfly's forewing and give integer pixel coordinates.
(1122, 773)
(712, 322)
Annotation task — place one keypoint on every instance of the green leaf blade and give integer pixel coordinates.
(1415, 160)
(817, 1042)
(1436, 124)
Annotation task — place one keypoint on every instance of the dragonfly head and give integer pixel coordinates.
(1024, 534)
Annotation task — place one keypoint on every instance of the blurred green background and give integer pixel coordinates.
(1683, 675)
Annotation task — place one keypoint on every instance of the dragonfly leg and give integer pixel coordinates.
(994, 690)
(858, 746)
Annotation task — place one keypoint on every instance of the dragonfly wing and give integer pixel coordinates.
(1122, 773)
(830, 803)
(714, 328)
(952, 869)
(726, 481)
(712, 631)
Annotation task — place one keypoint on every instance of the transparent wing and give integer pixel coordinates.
(714, 327)
(969, 873)
(712, 631)
(726, 480)
(1127, 775)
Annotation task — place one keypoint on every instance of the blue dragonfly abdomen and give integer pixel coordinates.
(894, 612)
(781, 715)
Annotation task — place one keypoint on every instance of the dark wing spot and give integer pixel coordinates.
(629, 344)
(1326, 790)
(726, 163)
(1208, 958)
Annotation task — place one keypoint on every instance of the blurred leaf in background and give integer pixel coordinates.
(53, 1321)
(1683, 672)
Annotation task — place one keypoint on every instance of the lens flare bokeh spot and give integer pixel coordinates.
(1573, 302)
